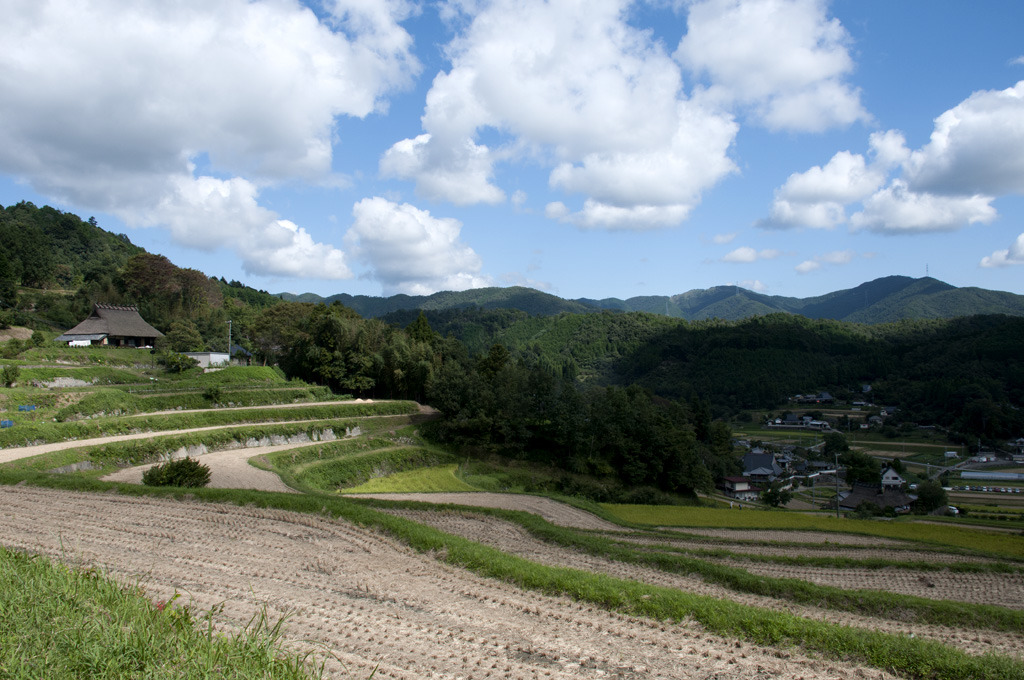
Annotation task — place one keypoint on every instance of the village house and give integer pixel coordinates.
(761, 467)
(880, 497)
(239, 357)
(792, 421)
(209, 359)
(739, 488)
(891, 479)
(116, 325)
(820, 398)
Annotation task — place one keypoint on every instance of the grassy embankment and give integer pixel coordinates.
(60, 622)
(48, 432)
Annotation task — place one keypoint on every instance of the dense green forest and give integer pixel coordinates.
(636, 397)
(966, 374)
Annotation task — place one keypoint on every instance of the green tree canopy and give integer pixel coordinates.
(931, 496)
(183, 336)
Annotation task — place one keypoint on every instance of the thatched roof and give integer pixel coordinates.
(114, 320)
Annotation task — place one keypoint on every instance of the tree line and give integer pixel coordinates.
(552, 386)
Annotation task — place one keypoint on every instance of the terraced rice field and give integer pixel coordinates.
(988, 588)
(371, 602)
(367, 603)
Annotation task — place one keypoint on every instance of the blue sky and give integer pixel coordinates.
(587, 148)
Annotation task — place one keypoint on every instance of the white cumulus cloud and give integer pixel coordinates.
(206, 213)
(977, 147)
(110, 105)
(807, 266)
(817, 198)
(1005, 258)
(410, 251)
(974, 155)
(754, 285)
(460, 174)
(746, 254)
(897, 209)
(784, 59)
(835, 257)
(573, 86)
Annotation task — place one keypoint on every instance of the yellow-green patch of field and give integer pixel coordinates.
(993, 542)
(422, 480)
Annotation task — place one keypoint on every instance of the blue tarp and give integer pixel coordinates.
(6, 423)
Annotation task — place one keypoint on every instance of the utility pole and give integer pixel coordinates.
(837, 484)
(229, 341)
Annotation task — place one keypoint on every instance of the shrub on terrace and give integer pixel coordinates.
(187, 472)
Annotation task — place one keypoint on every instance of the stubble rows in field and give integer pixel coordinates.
(370, 601)
(513, 539)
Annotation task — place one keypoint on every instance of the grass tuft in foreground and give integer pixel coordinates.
(60, 622)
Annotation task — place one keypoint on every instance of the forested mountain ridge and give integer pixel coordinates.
(890, 298)
(528, 300)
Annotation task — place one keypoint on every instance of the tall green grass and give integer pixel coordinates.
(335, 473)
(88, 374)
(61, 622)
(97, 355)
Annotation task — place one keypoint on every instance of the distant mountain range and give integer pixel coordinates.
(890, 298)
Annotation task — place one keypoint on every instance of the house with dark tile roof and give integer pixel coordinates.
(882, 498)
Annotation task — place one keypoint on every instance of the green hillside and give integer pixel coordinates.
(54, 266)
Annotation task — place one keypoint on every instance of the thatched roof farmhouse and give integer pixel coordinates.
(116, 325)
